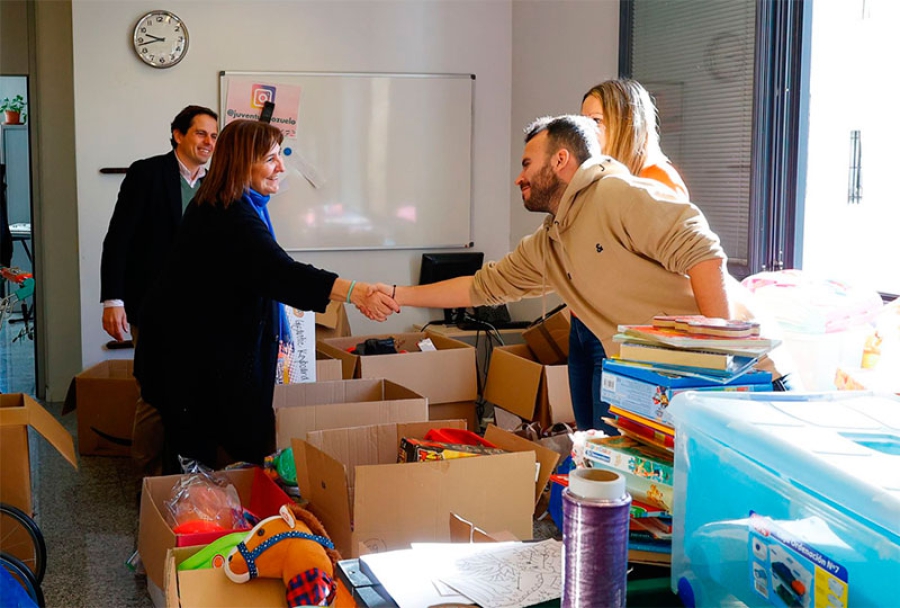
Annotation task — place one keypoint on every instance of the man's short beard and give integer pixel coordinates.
(545, 189)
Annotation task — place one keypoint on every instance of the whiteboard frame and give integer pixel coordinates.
(224, 74)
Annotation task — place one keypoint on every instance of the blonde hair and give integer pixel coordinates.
(630, 121)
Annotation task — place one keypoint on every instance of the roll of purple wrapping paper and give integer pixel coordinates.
(595, 539)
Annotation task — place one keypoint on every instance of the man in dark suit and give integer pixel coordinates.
(151, 200)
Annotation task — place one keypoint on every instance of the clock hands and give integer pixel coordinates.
(155, 39)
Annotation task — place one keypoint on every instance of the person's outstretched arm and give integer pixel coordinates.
(373, 303)
(452, 293)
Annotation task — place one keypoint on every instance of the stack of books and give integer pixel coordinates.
(655, 362)
(648, 473)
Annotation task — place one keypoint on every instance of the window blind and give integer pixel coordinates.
(696, 57)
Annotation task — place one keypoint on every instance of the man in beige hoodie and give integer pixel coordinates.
(617, 249)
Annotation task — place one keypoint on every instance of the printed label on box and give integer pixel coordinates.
(789, 572)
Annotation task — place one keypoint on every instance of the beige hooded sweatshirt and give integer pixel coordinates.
(617, 252)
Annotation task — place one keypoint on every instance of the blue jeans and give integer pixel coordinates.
(586, 357)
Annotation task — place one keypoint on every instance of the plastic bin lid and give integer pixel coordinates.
(843, 446)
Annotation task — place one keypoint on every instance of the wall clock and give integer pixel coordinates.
(160, 39)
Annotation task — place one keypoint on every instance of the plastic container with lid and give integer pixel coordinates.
(786, 499)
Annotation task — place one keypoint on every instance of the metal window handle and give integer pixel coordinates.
(854, 186)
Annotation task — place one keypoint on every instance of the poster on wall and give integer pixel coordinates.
(246, 98)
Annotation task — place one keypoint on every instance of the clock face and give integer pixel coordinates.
(160, 39)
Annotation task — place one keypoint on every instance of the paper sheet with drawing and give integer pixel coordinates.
(520, 575)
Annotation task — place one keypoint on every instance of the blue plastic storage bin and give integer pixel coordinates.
(786, 499)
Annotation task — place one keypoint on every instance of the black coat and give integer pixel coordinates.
(141, 231)
(208, 346)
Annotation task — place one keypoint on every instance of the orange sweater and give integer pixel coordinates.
(666, 174)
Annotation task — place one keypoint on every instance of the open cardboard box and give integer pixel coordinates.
(549, 339)
(370, 503)
(17, 413)
(105, 397)
(211, 587)
(459, 410)
(258, 493)
(520, 384)
(327, 369)
(333, 323)
(445, 375)
(316, 406)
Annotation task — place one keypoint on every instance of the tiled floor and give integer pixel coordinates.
(89, 516)
(16, 357)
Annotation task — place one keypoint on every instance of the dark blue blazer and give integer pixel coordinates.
(141, 231)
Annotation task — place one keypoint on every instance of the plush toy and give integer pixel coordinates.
(294, 547)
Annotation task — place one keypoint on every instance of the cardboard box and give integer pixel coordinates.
(327, 368)
(105, 397)
(316, 406)
(459, 410)
(549, 340)
(257, 491)
(443, 376)
(364, 497)
(333, 323)
(17, 413)
(648, 393)
(211, 587)
(520, 384)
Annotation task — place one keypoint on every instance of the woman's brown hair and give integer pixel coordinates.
(241, 144)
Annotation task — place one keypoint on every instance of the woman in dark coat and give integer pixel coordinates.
(211, 324)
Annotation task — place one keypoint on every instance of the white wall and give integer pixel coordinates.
(530, 58)
(561, 49)
(123, 108)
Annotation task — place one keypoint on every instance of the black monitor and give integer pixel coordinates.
(441, 266)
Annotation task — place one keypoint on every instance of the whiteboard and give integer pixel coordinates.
(372, 161)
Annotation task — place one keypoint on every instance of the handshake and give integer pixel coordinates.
(377, 301)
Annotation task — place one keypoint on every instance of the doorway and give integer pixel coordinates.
(17, 333)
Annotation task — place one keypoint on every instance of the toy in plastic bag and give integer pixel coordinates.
(203, 501)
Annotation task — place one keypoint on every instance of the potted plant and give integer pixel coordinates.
(13, 108)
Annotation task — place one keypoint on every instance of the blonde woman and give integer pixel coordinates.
(626, 118)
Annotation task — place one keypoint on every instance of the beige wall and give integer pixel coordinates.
(55, 202)
(531, 58)
(14, 27)
(561, 49)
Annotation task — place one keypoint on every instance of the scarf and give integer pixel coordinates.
(260, 202)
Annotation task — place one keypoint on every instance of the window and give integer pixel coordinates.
(733, 129)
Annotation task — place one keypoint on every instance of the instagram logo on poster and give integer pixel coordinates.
(260, 94)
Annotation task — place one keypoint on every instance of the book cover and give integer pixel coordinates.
(657, 528)
(640, 510)
(652, 558)
(642, 433)
(707, 326)
(626, 454)
(726, 363)
(748, 346)
(646, 422)
(706, 375)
